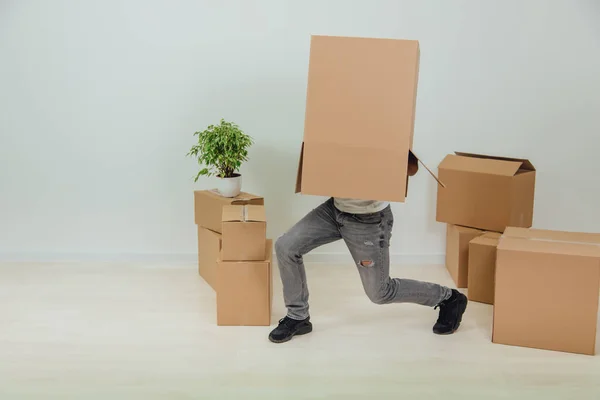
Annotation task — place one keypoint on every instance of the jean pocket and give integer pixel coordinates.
(368, 219)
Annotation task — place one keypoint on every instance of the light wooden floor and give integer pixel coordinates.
(108, 331)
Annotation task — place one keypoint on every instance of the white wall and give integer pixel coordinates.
(99, 101)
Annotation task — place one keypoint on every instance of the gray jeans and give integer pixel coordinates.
(368, 238)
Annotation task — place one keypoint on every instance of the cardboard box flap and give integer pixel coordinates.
(552, 242)
(245, 213)
(255, 214)
(579, 249)
(208, 207)
(480, 165)
(428, 169)
(552, 236)
(526, 165)
(232, 213)
(241, 198)
(323, 162)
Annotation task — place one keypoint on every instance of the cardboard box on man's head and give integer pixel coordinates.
(485, 192)
(360, 115)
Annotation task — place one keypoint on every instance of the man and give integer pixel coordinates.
(366, 227)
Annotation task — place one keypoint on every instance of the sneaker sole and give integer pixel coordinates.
(300, 332)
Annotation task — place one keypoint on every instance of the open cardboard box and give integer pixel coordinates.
(360, 115)
(486, 192)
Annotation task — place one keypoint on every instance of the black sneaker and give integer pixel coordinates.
(451, 312)
(288, 328)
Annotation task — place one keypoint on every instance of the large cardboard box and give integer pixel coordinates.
(209, 246)
(486, 192)
(244, 233)
(482, 267)
(208, 207)
(457, 252)
(547, 287)
(359, 121)
(245, 291)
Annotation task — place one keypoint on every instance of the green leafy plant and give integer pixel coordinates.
(221, 150)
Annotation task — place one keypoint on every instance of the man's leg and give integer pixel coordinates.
(368, 239)
(317, 228)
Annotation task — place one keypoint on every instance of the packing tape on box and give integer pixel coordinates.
(245, 213)
(550, 240)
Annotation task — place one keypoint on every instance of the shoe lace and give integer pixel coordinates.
(285, 321)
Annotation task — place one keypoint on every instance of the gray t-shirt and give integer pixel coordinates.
(352, 206)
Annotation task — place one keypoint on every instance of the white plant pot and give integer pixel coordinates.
(229, 187)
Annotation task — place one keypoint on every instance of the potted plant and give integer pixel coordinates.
(220, 151)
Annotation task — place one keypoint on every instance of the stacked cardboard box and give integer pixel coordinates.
(244, 275)
(244, 233)
(546, 292)
(208, 210)
(487, 203)
(457, 252)
(482, 267)
(234, 256)
(481, 195)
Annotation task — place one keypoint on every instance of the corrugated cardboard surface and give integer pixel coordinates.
(482, 267)
(208, 207)
(245, 213)
(486, 192)
(554, 237)
(209, 246)
(457, 252)
(244, 233)
(360, 110)
(245, 291)
(547, 288)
